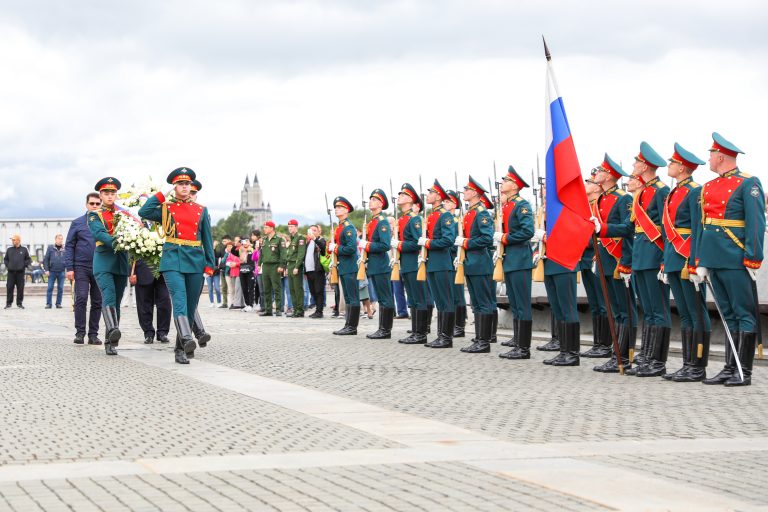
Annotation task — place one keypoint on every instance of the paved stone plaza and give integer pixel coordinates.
(278, 414)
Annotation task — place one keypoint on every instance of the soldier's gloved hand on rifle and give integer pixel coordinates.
(459, 241)
(597, 224)
(495, 257)
(696, 279)
(360, 261)
(661, 276)
(422, 260)
(422, 241)
(594, 266)
(362, 244)
(536, 258)
(394, 243)
(497, 236)
(752, 273)
(331, 246)
(456, 263)
(538, 236)
(626, 278)
(703, 273)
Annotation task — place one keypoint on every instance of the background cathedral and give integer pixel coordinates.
(252, 201)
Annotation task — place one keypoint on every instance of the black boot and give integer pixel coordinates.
(384, 332)
(94, 340)
(178, 351)
(419, 328)
(593, 350)
(570, 344)
(658, 351)
(523, 332)
(746, 348)
(512, 342)
(641, 356)
(625, 334)
(461, 321)
(412, 311)
(553, 345)
(197, 327)
(430, 310)
(686, 340)
(697, 370)
(483, 327)
(353, 319)
(187, 339)
(494, 326)
(729, 370)
(113, 330)
(445, 334)
(79, 338)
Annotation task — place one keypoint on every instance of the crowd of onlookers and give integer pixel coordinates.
(238, 283)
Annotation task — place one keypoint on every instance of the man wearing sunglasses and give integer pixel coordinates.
(78, 263)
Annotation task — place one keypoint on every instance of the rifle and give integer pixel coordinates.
(498, 269)
(395, 276)
(538, 271)
(460, 252)
(364, 256)
(422, 273)
(334, 272)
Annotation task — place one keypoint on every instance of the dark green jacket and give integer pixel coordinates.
(346, 248)
(517, 218)
(441, 232)
(478, 231)
(379, 238)
(272, 251)
(105, 259)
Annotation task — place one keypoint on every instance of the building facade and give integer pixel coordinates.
(252, 201)
(36, 234)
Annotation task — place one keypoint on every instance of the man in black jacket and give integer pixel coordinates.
(314, 269)
(16, 259)
(151, 293)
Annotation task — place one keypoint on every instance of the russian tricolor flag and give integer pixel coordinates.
(567, 208)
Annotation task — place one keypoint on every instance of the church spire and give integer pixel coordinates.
(255, 178)
(247, 183)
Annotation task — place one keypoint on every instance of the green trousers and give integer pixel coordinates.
(272, 285)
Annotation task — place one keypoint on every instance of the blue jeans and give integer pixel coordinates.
(399, 293)
(286, 292)
(55, 277)
(214, 283)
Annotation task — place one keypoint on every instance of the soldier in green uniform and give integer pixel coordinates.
(198, 328)
(451, 205)
(273, 261)
(377, 244)
(615, 233)
(601, 335)
(516, 238)
(441, 234)
(478, 265)
(110, 268)
(407, 243)
(727, 249)
(294, 257)
(647, 254)
(187, 253)
(344, 246)
(695, 329)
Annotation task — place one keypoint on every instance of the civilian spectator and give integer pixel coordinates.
(221, 253)
(214, 281)
(16, 260)
(314, 269)
(246, 274)
(53, 263)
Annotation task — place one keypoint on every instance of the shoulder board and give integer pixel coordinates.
(693, 184)
(744, 175)
(660, 184)
(481, 208)
(620, 192)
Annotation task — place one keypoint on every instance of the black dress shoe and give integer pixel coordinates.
(110, 349)
(58, 306)
(278, 313)
(7, 307)
(79, 338)
(180, 356)
(94, 340)
(148, 340)
(162, 338)
(48, 306)
(223, 306)
(266, 313)
(20, 306)
(516, 353)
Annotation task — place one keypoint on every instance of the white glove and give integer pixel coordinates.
(597, 224)
(360, 261)
(422, 260)
(696, 279)
(703, 273)
(331, 246)
(661, 276)
(538, 236)
(626, 278)
(495, 257)
(455, 262)
(594, 267)
(392, 262)
(752, 273)
(497, 236)
(362, 244)
(422, 241)
(394, 243)
(459, 241)
(536, 259)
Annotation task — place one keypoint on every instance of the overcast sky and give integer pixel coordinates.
(325, 96)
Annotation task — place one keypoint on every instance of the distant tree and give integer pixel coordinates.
(237, 224)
